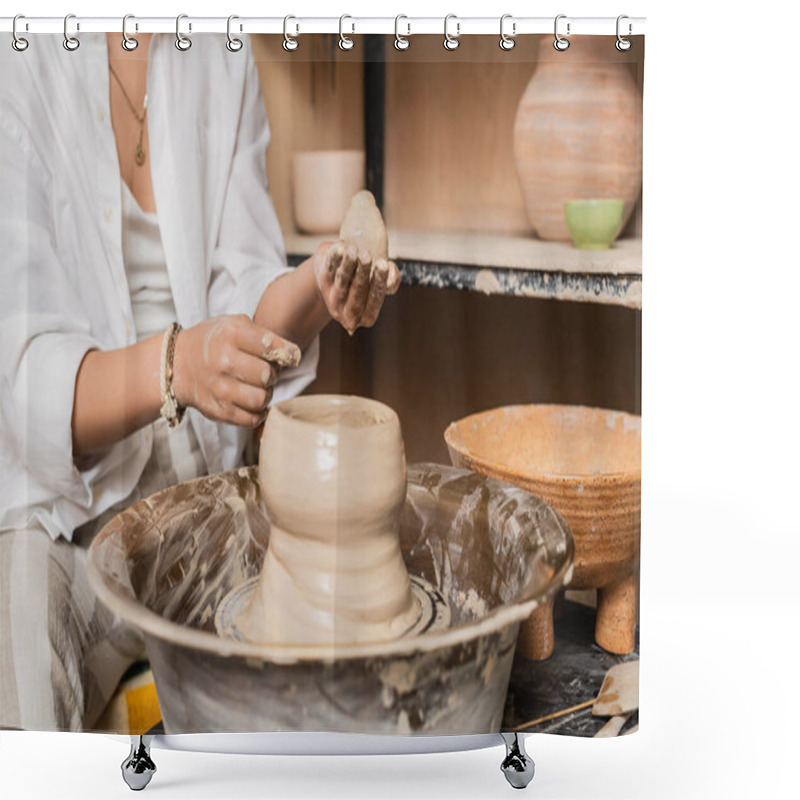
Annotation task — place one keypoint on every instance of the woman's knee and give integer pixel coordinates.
(62, 651)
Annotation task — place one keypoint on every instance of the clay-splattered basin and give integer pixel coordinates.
(586, 463)
(493, 550)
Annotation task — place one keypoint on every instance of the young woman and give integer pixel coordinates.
(143, 275)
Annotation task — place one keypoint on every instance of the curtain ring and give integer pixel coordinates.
(507, 42)
(401, 42)
(560, 43)
(71, 43)
(345, 42)
(289, 42)
(451, 42)
(622, 44)
(183, 43)
(18, 43)
(129, 43)
(233, 44)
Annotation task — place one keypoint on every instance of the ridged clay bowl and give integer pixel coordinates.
(586, 463)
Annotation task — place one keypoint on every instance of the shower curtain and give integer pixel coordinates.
(174, 273)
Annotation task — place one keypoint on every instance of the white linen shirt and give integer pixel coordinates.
(64, 289)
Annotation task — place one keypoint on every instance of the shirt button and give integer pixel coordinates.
(128, 328)
(99, 114)
(107, 214)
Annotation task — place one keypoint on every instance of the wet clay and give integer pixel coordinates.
(363, 226)
(333, 478)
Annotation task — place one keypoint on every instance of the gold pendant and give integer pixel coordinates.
(140, 154)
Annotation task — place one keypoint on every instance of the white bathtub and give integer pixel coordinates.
(321, 744)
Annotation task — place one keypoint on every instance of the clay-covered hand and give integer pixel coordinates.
(352, 284)
(226, 367)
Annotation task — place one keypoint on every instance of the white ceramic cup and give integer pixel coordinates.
(323, 183)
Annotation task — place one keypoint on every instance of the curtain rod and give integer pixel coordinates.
(299, 25)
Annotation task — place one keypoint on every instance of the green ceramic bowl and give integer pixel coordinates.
(593, 224)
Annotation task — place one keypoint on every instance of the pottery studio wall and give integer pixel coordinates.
(439, 354)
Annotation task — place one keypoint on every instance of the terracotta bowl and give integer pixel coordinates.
(585, 463)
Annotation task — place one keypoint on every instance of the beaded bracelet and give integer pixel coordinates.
(170, 410)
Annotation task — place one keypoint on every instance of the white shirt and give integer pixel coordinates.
(64, 290)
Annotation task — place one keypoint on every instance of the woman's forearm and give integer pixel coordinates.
(116, 393)
(340, 281)
(292, 306)
(225, 367)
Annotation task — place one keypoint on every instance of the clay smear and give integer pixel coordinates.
(333, 478)
(280, 352)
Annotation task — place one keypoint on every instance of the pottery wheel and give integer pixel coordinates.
(434, 612)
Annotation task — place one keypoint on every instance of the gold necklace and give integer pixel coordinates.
(139, 153)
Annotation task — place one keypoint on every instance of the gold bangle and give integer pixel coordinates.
(170, 410)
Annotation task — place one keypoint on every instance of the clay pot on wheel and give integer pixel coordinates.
(585, 463)
(578, 132)
(333, 477)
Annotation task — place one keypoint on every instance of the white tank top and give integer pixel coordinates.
(148, 280)
(176, 454)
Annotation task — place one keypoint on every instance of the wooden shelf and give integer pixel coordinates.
(510, 265)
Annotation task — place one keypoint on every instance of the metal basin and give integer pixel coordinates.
(494, 551)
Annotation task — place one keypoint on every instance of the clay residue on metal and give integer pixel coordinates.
(165, 564)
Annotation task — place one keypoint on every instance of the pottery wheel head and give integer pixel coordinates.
(434, 614)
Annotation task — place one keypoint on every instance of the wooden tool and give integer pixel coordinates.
(618, 698)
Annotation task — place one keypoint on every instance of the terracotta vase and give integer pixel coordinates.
(578, 132)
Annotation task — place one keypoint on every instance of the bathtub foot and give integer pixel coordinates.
(138, 768)
(517, 766)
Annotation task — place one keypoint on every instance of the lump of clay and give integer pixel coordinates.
(333, 479)
(363, 226)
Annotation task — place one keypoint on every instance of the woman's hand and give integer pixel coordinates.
(352, 285)
(226, 367)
